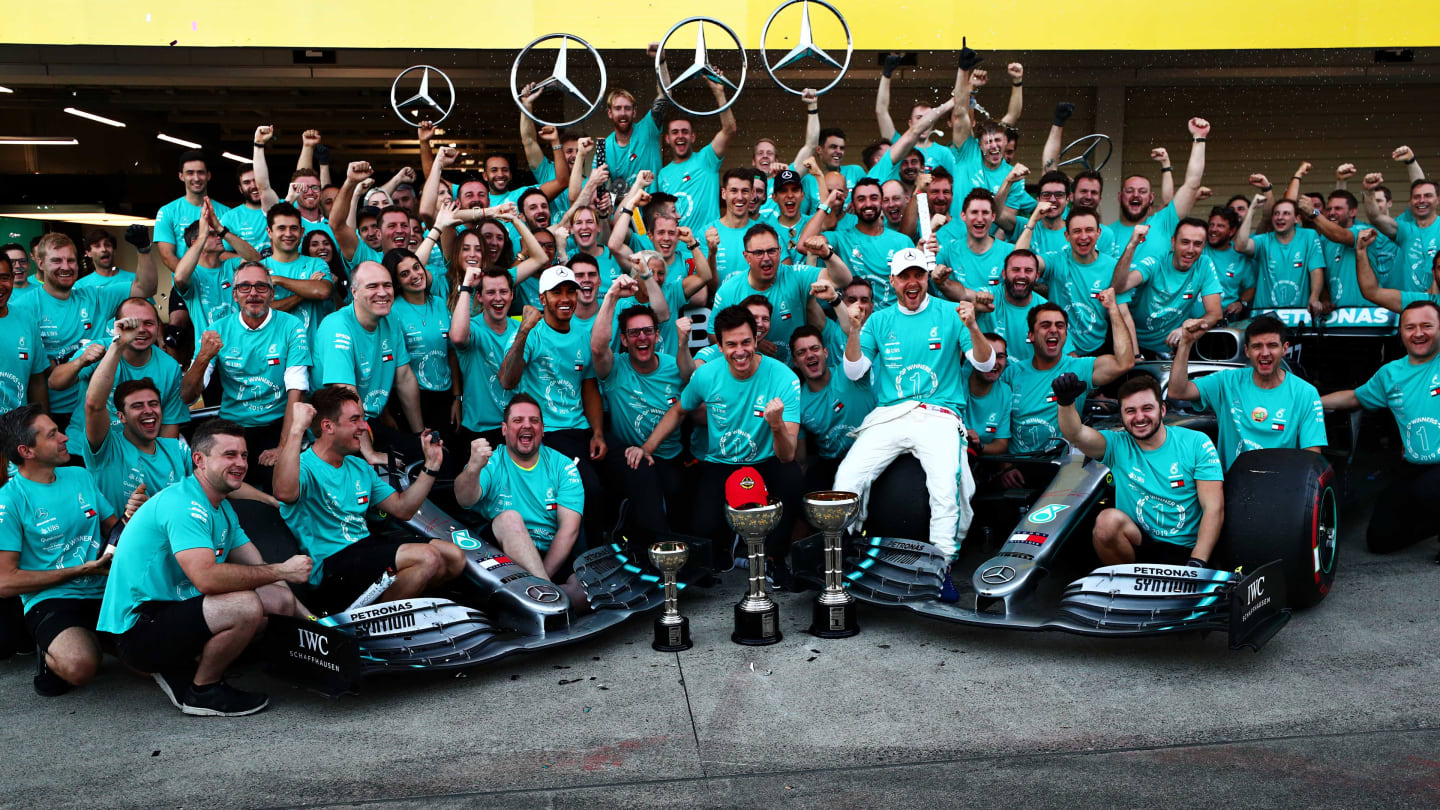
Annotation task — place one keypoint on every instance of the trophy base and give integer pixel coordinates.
(833, 621)
(757, 629)
(672, 637)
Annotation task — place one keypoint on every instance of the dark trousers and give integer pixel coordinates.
(785, 482)
(654, 492)
(1408, 510)
(258, 439)
(600, 503)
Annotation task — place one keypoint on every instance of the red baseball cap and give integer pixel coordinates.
(745, 489)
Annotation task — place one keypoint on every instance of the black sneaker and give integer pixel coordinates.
(174, 683)
(222, 700)
(47, 683)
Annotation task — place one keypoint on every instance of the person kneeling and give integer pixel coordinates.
(325, 492)
(531, 495)
(186, 583)
(1169, 491)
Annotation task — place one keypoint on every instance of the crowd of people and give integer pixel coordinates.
(531, 342)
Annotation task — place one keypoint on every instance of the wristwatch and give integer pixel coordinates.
(430, 472)
(467, 288)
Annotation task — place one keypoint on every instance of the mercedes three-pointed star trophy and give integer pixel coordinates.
(806, 46)
(423, 104)
(559, 79)
(700, 66)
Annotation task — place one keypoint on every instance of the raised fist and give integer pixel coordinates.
(1199, 128)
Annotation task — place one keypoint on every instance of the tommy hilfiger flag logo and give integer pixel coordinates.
(1050, 397)
(272, 361)
(934, 345)
(24, 355)
(361, 500)
(671, 400)
(551, 507)
(1277, 425)
(89, 513)
(1188, 296)
(1434, 392)
(989, 428)
(758, 413)
(839, 406)
(1177, 483)
(387, 357)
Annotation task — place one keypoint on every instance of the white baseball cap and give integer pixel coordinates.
(555, 276)
(901, 261)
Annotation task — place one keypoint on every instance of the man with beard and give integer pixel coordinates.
(326, 491)
(832, 406)
(634, 146)
(977, 261)
(394, 222)
(481, 342)
(866, 247)
(1417, 238)
(1289, 264)
(639, 387)
(139, 359)
(100, 250)
(187, 584)
(693, 176)
(53, 521)
(786, 287)
(206, 273)
(989, 399)
(1338, 231)
(914, 353)
(1011, 315)
(904, 161)
(134, 460)
(262, 357)
(831, 153)
(727, 234)
(550, 360)
(70, 317)
(1234, 270)
(1136, 198)
(1032, 421)
(22, 362)
(752, 409)
(361, 349)
(247, 220)
(531, 495)
(1164, 475)
(1408, 509)
(939, 189)
(1266, 406)
(1075, 275)
(302, 283)
(1167, 284)
(175, 216)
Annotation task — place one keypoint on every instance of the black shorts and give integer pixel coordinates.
(350, 571)
(166, 635)
(1160, 552)
(50, 618)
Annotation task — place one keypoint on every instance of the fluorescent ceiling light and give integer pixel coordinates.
(84, 218)
(24, 141)
(93, 117)
(237, 158)
(162, 136)
(6, 90)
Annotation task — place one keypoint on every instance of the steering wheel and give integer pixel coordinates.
(1088, 146)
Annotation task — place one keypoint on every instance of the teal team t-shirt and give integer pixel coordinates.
(22, 354)
(66, 325)
(788, 295)
(305, 268)
(480, 360)
(730, 253)
(348, 353)
(988, 414)
(556, 365)
(1157, 488)
(249, 224)
(1076, 287)
(869, 257)
(637, 401)
(1415, 251)
(1286, 416)
(175, 216)
(121, 278)
(120, 467)
(1162, 226)
(737, 432)
(1035, 416)
(1283, 270)
(970, 172)
(1411, 392)
(695, 182)
(977, 271)
(427, 339)
(917, 355)
(1165, 296)
(55, 525)
(834, 412)
(208, 296)
(145, 570)
(1236, 273)
(252, 366)
(536, 493)
(329, 515)
(641, 152)
(1340, 277)
(161, 369)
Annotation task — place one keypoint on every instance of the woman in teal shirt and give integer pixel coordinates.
(420, 314)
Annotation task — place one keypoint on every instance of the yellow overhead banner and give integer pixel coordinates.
(919, 25)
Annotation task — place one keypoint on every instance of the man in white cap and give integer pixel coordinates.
(914, 353)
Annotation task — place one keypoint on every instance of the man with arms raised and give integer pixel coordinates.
(1169, 490)
(1166, 285)
(1387, 297)
(1076, 274)
(481, 343)
(693, 176)
(1136, 197)
(1408, 510)
(914, 354)
(326, 491)
(53, 524)
(1256, 407)
(187, 584)
(1289, 265)
(1417, 239)
(866, 247)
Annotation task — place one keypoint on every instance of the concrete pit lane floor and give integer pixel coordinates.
(1340, 710)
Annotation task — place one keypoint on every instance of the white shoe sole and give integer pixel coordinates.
(201, 711)
(169, 693)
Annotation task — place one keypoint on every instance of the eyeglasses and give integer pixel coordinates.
(260, 287)
(643, 331)
(775, 251)
(1052, 195)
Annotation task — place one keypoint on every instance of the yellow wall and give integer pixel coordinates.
(915, 25)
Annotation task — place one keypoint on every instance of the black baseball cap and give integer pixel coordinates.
(786, 177)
